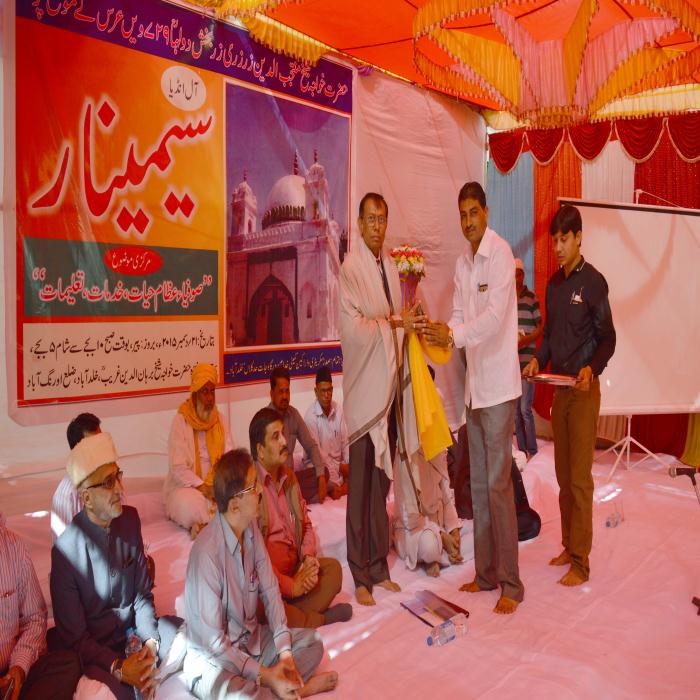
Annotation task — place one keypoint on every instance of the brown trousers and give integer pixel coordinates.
(574, 423)
(307, 610)
(366, 520)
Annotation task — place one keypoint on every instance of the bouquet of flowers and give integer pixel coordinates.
(411, 265)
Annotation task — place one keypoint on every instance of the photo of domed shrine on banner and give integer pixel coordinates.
(287, 180)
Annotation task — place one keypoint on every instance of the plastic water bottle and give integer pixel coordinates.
(133, 645)
(450, 629)
(617, 517)
(133, 642)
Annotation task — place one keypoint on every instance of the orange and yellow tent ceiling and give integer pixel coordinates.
(543, 62)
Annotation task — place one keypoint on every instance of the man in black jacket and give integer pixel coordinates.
(100, 585)
(579, 340)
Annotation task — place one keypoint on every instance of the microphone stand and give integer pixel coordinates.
(696, 486)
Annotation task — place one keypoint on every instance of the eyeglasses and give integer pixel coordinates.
(372, 219)
(109, 482)
(245, 491)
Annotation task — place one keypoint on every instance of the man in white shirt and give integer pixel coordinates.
(198, 438)
(485, 322)
(326, 423)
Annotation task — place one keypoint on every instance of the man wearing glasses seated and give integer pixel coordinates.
(229, 653)
(100, 585)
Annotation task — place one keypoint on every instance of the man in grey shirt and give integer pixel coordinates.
(229, 653)
(313, 482)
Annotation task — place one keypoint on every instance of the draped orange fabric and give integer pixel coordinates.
(560, 178)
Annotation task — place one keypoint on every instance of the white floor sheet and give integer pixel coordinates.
(630, 632)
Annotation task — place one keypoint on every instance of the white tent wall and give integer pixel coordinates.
(415, 147)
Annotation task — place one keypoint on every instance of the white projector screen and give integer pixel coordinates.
(650, 257)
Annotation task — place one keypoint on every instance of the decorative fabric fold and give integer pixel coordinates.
(243, 8)
(588, 140)
(544, 143)
(667, 178)
(604, 52)
(639, 137)
(684, 132)
(659, 102)
(285, 40)
(624, 80)
(506, 148)
(575, 45)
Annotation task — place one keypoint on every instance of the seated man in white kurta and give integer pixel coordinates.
(432, 537)
(429, 534)
(198, 438)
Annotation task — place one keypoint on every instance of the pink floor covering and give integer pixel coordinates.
(631, 632)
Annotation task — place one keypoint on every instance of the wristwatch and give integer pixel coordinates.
(117, 668)
(450, 338)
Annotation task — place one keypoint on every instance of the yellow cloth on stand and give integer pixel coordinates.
(431, 421)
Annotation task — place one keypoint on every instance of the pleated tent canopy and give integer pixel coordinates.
(537, 63)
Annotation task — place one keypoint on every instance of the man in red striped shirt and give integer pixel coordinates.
(24, 666)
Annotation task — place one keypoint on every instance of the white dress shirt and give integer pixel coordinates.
(485, 322)
(181, 454)
(331, 434)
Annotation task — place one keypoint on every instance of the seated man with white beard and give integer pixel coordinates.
(198, 438)
(100, 585)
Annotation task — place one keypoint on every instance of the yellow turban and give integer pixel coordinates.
(202, 374)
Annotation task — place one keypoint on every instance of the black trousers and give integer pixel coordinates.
(366, 520)
(167, 629)
(54, 676)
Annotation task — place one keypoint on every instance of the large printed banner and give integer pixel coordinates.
(173, 205)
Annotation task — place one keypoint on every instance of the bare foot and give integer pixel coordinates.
(433, 569)
(364, 597)
(561, 560)
(505, 606)
(572, 578)
(389, 585)
(321, 683)
(472, 587)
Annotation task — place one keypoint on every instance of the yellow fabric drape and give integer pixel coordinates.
(214, 437)
(575, 44)
(242, 8)
(691, 453)
(494, 62)
(284, 40)
(431, 421)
